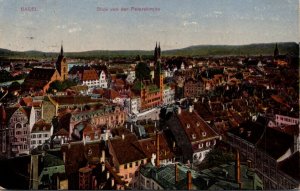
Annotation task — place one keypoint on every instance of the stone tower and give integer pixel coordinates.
(61, 65)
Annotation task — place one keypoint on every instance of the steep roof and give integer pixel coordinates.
(40, 126)
(149, 147)
(89, 75)
(195, 127)
(125, 149)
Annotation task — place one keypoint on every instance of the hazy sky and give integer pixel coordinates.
(175, 23)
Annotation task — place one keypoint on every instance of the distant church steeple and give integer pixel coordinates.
(61, 64)
(157, 52)
(62, 49)
(276, 51)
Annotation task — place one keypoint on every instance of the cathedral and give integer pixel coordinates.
(152, 93)
(39, 78)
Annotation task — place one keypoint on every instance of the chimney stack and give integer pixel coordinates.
(64, 157)
(179, 110)
(176, 173)
(191, 108)
(157, 149)
(102, 167)
(240, 185)
(112, 182)
(249, 163)
(107, 175)
(189, 180)
(102, 159)
(237, 167)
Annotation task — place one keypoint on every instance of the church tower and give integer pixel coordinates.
(61, 65)
(158, 73)
(157, 52)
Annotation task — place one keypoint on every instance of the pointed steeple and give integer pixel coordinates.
(61, 49)
(159, 51)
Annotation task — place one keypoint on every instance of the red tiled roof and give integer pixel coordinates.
(110, 94)
(148, 146)
(195, 127)
(126, 151)
(61, 132)
(89, 75)
(41, 125)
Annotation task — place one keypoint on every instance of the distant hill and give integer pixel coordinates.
(236, 50)
(199, 50)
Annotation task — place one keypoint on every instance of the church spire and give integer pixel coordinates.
(61, 49)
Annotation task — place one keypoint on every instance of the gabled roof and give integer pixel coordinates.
(41, 126)
(195, 127)
(125, 149)
(89, 75)
(149, 147)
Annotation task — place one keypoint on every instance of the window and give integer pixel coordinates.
(40, 142)
(130, 165)
(18, 126)
(33, 142)
(130, 175)
(142, 162)
(200, 145)
(33, 136)
(207, 143)
(39, 135)
(125, 166)
(126, 176)
(45, 135)
(136, 163)
(204, 134)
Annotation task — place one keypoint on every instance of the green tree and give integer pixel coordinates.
(142, 71)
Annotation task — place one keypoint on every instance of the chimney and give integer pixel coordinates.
(237, 167)
(240, 185)
(102, 159)
(64, 157)
(107, 175)
(189, 180)
(131, 128)
(179, 110)
(191, 108)
(157, 149)
(102, 167)
(176, 173)
(112, 182)
(249, 163)
(94, 183)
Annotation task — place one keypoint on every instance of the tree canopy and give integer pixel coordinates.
(142, 71)
(61, 85)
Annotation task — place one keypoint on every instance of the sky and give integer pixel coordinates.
(83, 25)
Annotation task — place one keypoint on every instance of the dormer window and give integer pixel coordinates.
(200, 145)
(197, 124)
(194, 136)
(203, 133)
(188, 126)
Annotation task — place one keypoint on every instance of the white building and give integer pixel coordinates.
(130, 77)
(90, 78)
(40, 132)
(103, 79)
(168, 96)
